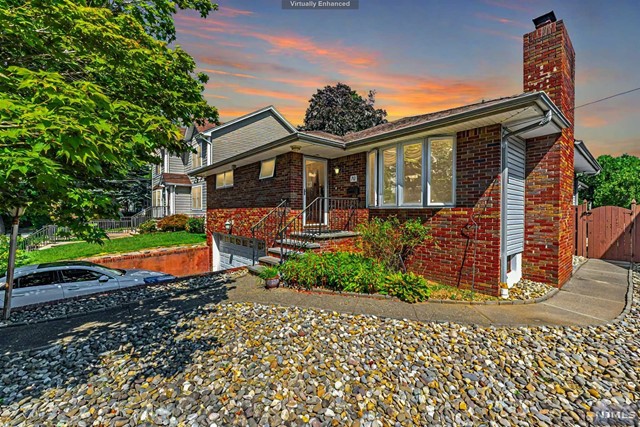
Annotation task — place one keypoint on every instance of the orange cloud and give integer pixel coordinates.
(232, 13)
(269, 94)
(314, 52)
(290, 43)
(225, 73)
(501, 20)
(594, 121)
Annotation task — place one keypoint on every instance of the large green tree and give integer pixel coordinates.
(339, 110)
(618, 184)
(89, 91)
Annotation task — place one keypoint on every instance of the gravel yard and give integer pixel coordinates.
(250, 364)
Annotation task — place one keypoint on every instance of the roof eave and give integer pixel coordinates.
(509, 104)
(586, 154)
(297, 136)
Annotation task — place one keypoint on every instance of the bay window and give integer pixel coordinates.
(418, 173)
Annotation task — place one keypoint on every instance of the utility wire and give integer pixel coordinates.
(608, 97)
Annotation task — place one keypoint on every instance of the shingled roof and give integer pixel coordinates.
(407, 122)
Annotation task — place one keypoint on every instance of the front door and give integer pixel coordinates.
(315, 185)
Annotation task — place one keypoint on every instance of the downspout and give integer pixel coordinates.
(506, 134)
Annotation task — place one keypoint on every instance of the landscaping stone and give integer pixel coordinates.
(246, 364)
(528, 289)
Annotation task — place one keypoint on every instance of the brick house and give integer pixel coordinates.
(494, 180)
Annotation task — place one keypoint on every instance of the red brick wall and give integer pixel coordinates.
(355, 164)
(176, 261)
(450, 258)
(549, 65)
(248, 191)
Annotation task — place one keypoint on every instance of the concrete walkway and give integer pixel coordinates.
(596, 294)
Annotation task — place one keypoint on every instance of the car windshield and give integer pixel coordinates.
(105, 270)
(114, 271)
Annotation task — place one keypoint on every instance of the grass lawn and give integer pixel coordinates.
(115, 246)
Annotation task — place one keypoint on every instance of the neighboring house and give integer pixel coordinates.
(174, 191)
(494, 180)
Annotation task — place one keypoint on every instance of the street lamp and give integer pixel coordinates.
(15, 212)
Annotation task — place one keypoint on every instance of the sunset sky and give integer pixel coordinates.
(420, 56)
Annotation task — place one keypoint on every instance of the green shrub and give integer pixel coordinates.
(22, 258)
(176, 222)
(150, 226)
(195, 225)
(269, 272)
(391, 242)
(343, 271)
(408, 287)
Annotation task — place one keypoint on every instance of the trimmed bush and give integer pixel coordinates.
(195, 225)
(176, 222)
(342, 271)
(148, 227)
(408, 287)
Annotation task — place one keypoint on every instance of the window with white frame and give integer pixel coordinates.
(196, 158)
(224, 179)
(196, 197)
(267, 168)
(417, 173)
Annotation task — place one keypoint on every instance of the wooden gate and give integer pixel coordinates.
(608, 232)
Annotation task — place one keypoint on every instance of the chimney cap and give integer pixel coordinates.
(542, 20)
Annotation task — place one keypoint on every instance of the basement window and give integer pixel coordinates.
(267, 168)
(224, 179)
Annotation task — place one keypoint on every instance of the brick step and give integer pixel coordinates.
(301, 244)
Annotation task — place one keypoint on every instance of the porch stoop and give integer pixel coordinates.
(299, 246)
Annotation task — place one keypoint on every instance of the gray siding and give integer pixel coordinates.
(246, 135)
(188, 167)
(175, 164)
(515, 196)
(183, 200)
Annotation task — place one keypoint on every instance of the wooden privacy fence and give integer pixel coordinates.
(608, 232)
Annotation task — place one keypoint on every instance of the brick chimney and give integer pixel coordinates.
(549, 62)
(549, 66)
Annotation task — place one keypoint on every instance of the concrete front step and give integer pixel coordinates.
(277, 251)
(298, 244)
(325, 235)
(255, 269)
(269, 260)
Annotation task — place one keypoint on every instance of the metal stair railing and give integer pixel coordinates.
(44, 236)
(269, 226)
(333, 214)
